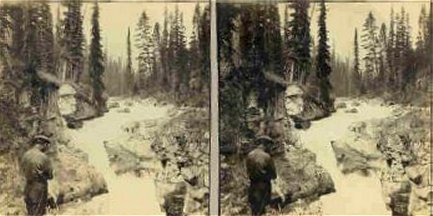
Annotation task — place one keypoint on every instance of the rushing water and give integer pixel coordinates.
(354, 194)
(128, 194)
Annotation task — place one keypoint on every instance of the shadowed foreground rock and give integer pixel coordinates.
(300, 182)
(74, 179)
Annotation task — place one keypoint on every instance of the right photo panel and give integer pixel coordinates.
(324, 107)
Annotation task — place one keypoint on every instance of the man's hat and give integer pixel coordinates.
(253, 114)
(263, 139)
(41, 138)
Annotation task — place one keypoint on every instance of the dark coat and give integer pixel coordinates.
(261, 170)
(37, 169)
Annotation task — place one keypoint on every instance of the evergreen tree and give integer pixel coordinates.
(177, 53)
(382, 39)
(156, 36)
(369, 44)
(323, 68)
(273, 39)
(96, 62)
(194, 51)
(46, 38)
(164, 53)
(357, 74)
(73, 40)
(58, 43)
(4, 49)
(422, 30)
(145, 47)
(300, 41)
(204, 49)
(390, 51)
(129, 70)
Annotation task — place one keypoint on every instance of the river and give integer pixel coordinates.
(128, 194)
(355, 194)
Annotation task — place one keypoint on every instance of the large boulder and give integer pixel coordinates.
(175, 151)
(397, 150)
(74, 179)
(299, 177)
(76, 104)
(302, 106)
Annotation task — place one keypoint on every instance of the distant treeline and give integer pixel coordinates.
(169, 63)
(391, 63)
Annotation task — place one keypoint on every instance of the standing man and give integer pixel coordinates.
(37, 169)
(261, 170)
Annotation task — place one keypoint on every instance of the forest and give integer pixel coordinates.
(335, 120)
(258, 50)
(55, 77)
(39, 53)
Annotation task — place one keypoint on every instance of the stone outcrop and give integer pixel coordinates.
(397, 150)
(75, 104)
(300, 182)
(303, 107)
(175, 151)
(74, 179)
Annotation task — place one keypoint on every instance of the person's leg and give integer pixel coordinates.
(257, 199)
(36, 196)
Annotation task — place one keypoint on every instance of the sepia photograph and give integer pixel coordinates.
(324, 107)
(104, 107)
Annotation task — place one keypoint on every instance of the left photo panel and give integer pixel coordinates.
(104, 108)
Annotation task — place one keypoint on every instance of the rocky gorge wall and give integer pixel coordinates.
(174, 151)
(395, 149)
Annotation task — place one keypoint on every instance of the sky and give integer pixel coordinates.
(343, 17)
(116, 17)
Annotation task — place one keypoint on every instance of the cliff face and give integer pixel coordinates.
(74, 179)
(397, 150)
(300, 182)
(174, 150)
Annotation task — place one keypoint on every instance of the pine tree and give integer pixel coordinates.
(401, 47)
(46, 38)
(177, 54)
(145, 47)
(58, 43)
(129, 70)
(4, 50)
(96, 62)
(73, 40)
(382, 39)
(182, 58)
(422, 29)
(157, 70)
(194, 51)
(357, 74)
(323, 59)
(164, 53)
(390, 51)
(300, 41)
(273, 40)
(204, 35)
(369, 44)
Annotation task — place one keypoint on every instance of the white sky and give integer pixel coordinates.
(343, 17)
(116, 17)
